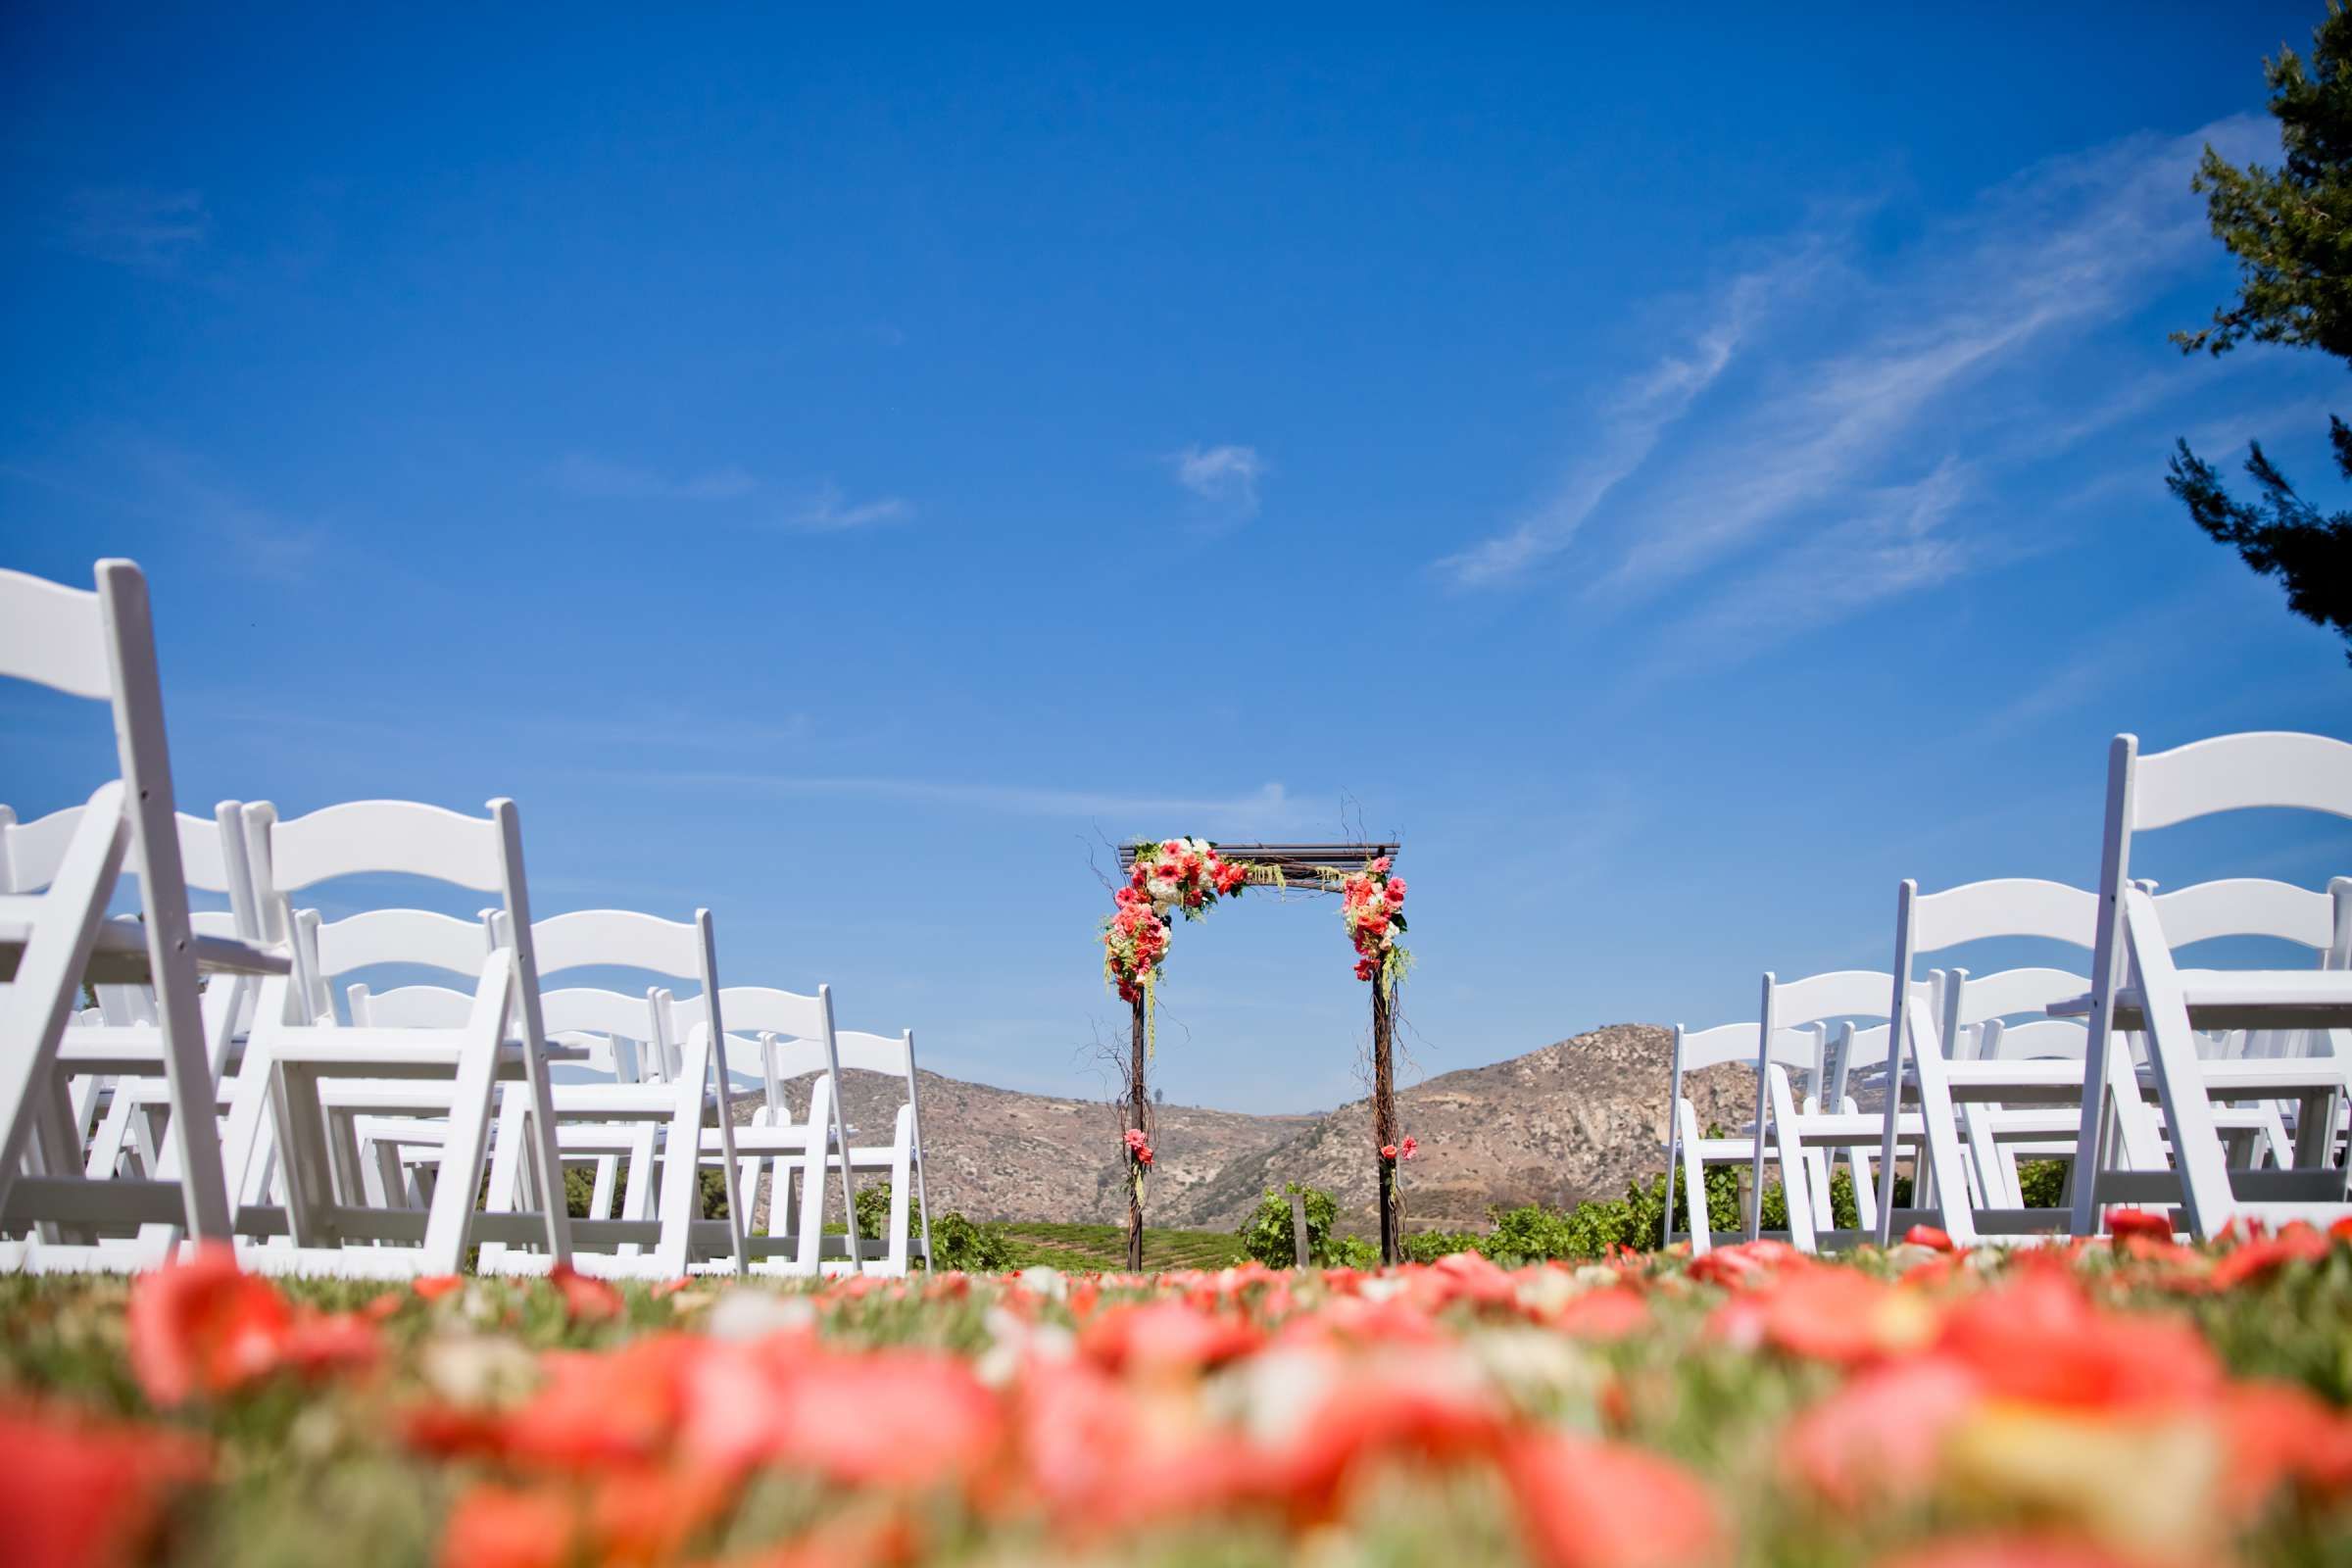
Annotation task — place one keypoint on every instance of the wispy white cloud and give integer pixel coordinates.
(1266, 809)
(831, 511)
(148, 230)
(1896, 540)
(595, 478)
(166, 485)
(1629, 425)
(2064, 244)
(1223, 477)
(1812, 462)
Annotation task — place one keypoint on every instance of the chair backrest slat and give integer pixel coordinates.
(620, 938)
(54, 635)
(2007, 992)
(2007, 906)
(2238, 772)
(402, 936)
(408, 837)
(30, 852)
(868, 1053)
(2247, 906)
(1839, 993)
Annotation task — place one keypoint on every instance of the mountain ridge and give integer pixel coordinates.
(1572, 1120)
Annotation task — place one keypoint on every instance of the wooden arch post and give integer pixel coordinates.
(1139, 1107)
(1384, 1124)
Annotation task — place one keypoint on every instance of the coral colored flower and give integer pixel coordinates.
(647, 1515)
(2284, 1432)
(1589, 1505)
(78, 1491)
(2038, 1338)
(500, 1526)
(1828, 1313)
(889, 1418)
(1155, 1337)
(1388, 1150)
(204, 1326)
(1610, 1312)
(1880, 1435)
(318, 1343)
(2298, 1242)
(1929, 1237)
(2128, 1222)
(2007, 1552)
(1745, 1261)
(433, 1287)
(620, 1406)
(586, 1300)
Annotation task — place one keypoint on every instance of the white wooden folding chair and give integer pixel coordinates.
(1838, 996)
(790, 1036)
(384, 1136)
(212, 855)
(696, 1098)
(1691, 1152)
(292, 1052)
(900, 1160)
(101, 645)
(621, 1040)
(2013, 1075)
(2137, 986)
(1955, 1087)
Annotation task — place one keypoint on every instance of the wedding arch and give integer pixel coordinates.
(1188, 878)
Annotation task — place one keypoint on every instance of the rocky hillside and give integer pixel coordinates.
(998, 1153)
(1574, 1120)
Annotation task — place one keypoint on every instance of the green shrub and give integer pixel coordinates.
(2041, 1182)
(1427, 1247)
(873, 1213)
(580, 1186)
(1266, 1233)
(958, 1243)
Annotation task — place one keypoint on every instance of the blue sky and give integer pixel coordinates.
(844, 470)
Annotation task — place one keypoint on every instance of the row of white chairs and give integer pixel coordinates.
(2217, 1095)
(214, 1092)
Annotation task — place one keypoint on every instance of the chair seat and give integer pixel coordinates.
(134, 1050)
(399, 1054)
(654, 1101)
(2241, 999)
(1846, 1127)
(118, 957)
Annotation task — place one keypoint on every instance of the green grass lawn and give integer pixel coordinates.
(1105, 1247)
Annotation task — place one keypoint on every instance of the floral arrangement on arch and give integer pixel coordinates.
(1138, 1158)
(1168, 875)
(1372, 904)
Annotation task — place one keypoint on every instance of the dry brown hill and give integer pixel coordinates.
(1576, 1119)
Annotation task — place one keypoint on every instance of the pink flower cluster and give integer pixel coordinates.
(1138, 1149)
(1172, 875)
(1372, 902)
(1403, 1151)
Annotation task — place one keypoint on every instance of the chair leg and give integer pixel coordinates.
(1694, 1179)
(1795, 1187)
(448, 1225)
(505, 1195)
